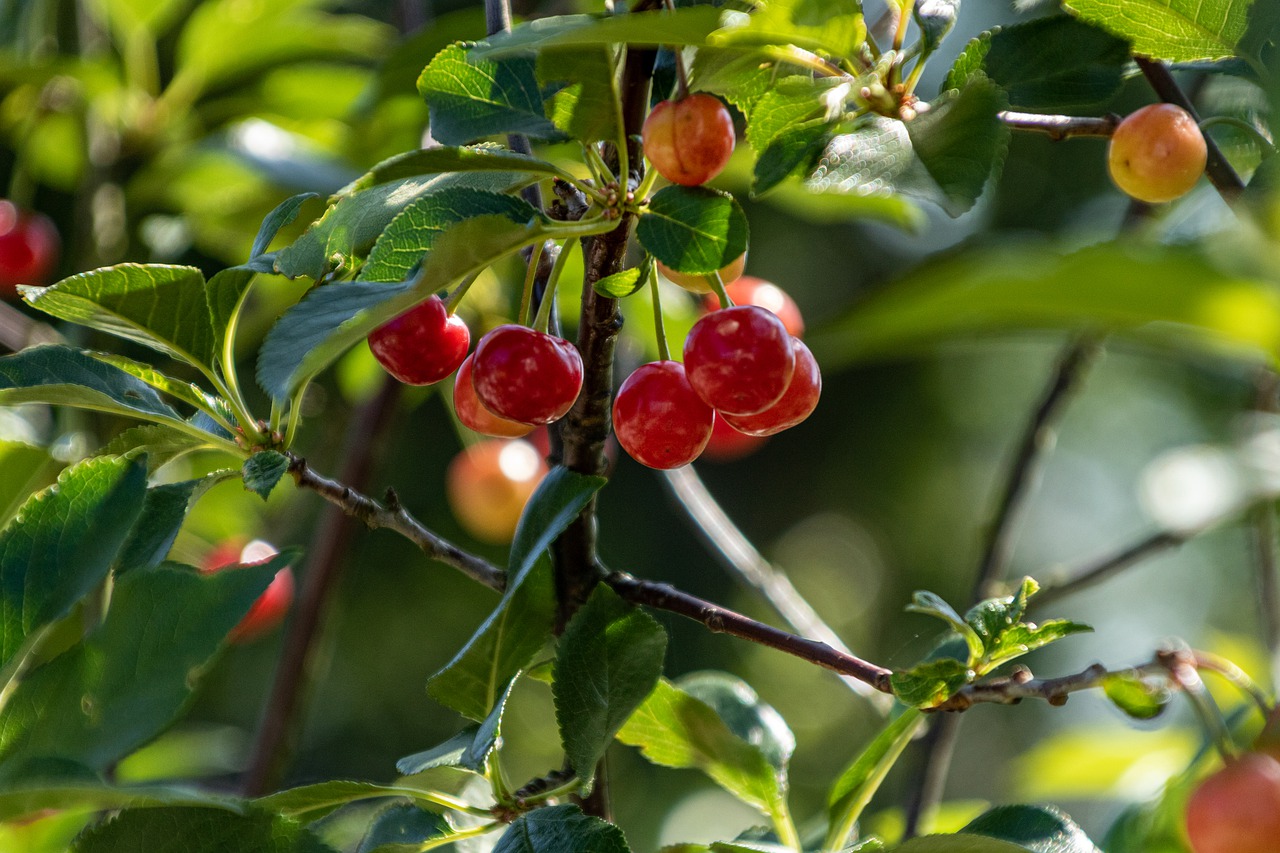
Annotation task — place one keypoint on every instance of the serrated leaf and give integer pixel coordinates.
(414, 231)
(673, 729)
(402, 828)
(744, 712)
(344, 235)
(1024, 638)
(125, 683)
(693, 229)
(163, 510)
(960, 141)
(684, 26)
(60, 545)
(930, 683)
(92, 794)
(820, 25)
(794, 150)
(608, 660)
(225, 294)
(958, 844)
(518, 627)
(187, 392)
(1140, 697)
(197, 830)
(312, 802)
(931, 604)
(263, 470)
(330, 319)
(783, 107)
(623, 283)
(587, 107)
(162, 444)
(859, 782)
(1040, 829)
(156, 305)
(561, 829)
(442, 159)
(970, 61)
(281, 215)
(994, 616)
(469, 749)
(471, 97)
(1172, 30)
(739, 75)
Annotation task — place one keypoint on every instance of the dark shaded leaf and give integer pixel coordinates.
(471, 97)
(263, 470)
(561, 829)
(693, 229)
(197, 830)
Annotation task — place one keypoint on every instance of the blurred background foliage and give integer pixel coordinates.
(163, 130)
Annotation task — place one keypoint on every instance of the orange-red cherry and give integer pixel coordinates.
(28, 248)
(689, 141)
(489, 483)
(423, 345)
(797, 403)
(525, 375)
(472, 413)
(1157, 153)
(272, 606)
(658, 418)
(749, 290)
(739, 360)
(698, 283)
(1237, 809)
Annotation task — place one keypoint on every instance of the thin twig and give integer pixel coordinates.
(736, 552)
(1217, 169)
(1061, 127)
(1061, 583)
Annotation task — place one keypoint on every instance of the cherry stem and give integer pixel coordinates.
(531, 271)
(451, 304)
(717, 287)
(1267, 147)
(1184, 674)
(1235, 676)
(541, 322)
(682, 74)
(659, 327)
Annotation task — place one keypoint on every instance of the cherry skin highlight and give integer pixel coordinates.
(689, 141)
(658, 418)
(739, 360)
(488, 485)
(269, 610)
(1157, 153)
(28, 248)
(1237, 809)
(749, 290)
(423, 345)
(472, 413)
(525, 375)
(698, 283)
(797, 403)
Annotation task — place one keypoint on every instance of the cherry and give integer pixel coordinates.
(28, 248)
(423, 345)
(659, 419)
(749, 290)
(1237, 809)
(1157, 153)
(525, 375)
(797, 403)
(739, 359)
(698, 283)
(474, 415)
(689, 141)
(488, 485)
(727, 444)
(270, 608)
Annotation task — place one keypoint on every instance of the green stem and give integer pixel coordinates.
(599, 169)
(473, 832)
(294, 417)
(571, 787)
(785, 826)
(1267, 146)
(838, 832)
(497, 779)
(646, 185)
(659, 327)
(530, 273)
(543, 319)
(451, 304)
(717, 287)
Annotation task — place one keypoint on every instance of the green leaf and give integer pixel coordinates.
(225, 294)
(930, 604)
(330, 319)
(159, 306)
(468, 749)
(518, 627)
(561, 829)
(1040, 829)
(740, 76)
(60, 546)
(402, 828)
(283, 214)
(860, 780)
(689, 25)
(92, 794)
(693, 229)
(312, 802)
(958, 844)
(1024, 638)
(608, 660)
(1031, 285)
(187, 392)
(344, 235)
(1140, 697)
(970, 62)
(960, 141)
(1048, 64)
(930, 683)
(163, 511)
(821, 25)
(792, 101)
(1171, 30)
(744, 712)
(992, 617)
(161, 444)
(442, 159)
(263, 470)
(471, 97)
(197, 830)
(623, 283)
(127, 681)
(414, 231)
(587, 107)
(673, 729)
(794, 149)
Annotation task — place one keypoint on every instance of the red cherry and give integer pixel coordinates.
(689, 141)
(423, 345)
(474, 415)
(727, 444)
(1237, 809)
(488, 485)
(749, 290)
(739, 360)
(270, 608)
(525, 375)
(797, 403)
(28, 248)
(659, 419)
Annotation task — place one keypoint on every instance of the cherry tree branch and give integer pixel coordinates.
(1062, 583)
(1061, 127)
